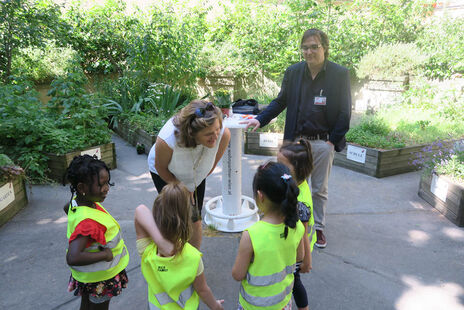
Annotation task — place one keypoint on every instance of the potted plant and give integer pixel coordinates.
(442, 181)
(13, 195)
(223, 101)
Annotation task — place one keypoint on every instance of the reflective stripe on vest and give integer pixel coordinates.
(268, 300)
(164, 298)
(310, 234)
(270, 279)
(101, 265)
(110, 244)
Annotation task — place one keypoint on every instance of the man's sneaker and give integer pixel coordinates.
(321, 242)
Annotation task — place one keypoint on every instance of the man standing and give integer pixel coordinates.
(317, 95)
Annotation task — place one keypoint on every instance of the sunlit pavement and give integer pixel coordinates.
(387, 248)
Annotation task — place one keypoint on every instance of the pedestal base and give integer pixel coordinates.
(231, 223)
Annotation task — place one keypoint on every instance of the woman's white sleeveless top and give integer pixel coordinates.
(190, 165)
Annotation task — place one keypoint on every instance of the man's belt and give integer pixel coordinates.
(321, 136)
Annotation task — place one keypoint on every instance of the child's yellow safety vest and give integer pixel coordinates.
(306, 198)
(101, 270)
(170, 279)
(269, 281)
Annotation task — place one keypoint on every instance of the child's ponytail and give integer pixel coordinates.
(289, 204)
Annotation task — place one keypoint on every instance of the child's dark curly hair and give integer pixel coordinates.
(83, 169)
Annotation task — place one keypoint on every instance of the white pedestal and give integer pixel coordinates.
(232, 212)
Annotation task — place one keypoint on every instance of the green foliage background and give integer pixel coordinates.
(145, 63)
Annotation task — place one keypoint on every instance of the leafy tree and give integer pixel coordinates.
(166, 47)
(101, 35)
(25, 23)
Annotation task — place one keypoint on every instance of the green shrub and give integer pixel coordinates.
(29, 131)
(22, 128)
(148, 122)
(443, 99)
(43, 64)
(374, 132)
(404, 125)
(5, 161)
(101, 34)
(442, 39)
(391, 60)
(166, 45)
(25, 23)
(453, 167)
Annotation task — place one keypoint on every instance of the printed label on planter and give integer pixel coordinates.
(355, 153)
(439, 187)
(268, 140)
(7, 195)
(92, 152)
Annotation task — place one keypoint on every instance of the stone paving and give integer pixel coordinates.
(387, 248)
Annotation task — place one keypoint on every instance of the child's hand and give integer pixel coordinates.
(305, 267)
(109, 254)
(219, 303)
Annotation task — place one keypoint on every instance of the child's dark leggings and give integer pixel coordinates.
(299, 291)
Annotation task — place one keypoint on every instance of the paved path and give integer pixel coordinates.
(387, 248)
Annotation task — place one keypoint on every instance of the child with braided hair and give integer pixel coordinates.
(270, 248)
(96, 255)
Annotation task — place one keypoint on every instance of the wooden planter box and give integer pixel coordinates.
(260, 143)
(445, 195)
(13, 198)
(134, 136)
(378, 163)
(59, 163)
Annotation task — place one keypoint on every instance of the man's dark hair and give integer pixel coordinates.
(313, 32)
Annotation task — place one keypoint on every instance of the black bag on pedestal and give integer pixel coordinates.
(245, 106)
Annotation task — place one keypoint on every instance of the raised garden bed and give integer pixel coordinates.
(263, 143)
(13, 198)
(445, 195)
(59, 163)
(378, 163)
(135, 136)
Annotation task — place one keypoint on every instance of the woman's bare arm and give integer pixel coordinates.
(222, 148)
(162, 159)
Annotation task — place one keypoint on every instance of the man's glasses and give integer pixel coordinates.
(312, 47)
(200, 112)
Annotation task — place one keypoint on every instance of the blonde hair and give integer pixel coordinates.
(171, 211)
(197, 115)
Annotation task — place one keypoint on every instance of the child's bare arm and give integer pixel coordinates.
(203, 290)
(243, 259)
(77, 256)
(145, 226)
(306, 265)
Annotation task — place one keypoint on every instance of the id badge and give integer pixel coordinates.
(319, 100)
